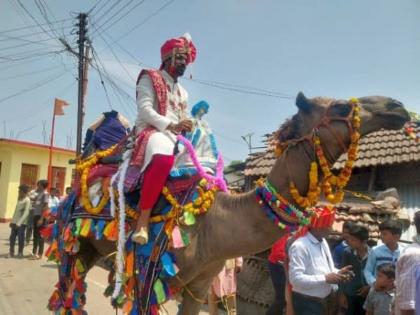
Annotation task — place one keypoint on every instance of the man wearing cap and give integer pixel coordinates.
(161, 103)
(311, 268)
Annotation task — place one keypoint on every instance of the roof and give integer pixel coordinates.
(35, 145)
(383, 147)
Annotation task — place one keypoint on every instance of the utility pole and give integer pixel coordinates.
(82, 62)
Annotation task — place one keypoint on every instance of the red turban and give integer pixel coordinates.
(323, 217)
(181, 45)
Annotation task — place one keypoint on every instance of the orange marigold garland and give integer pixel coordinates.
(84, 167)
(331, 185)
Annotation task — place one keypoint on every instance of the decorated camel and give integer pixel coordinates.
(233, 225)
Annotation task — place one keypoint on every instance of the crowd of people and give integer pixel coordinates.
(353, 278)
(29, 218)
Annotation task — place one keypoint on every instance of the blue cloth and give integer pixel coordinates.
(338, 253)
(110, 132)
(379, 255)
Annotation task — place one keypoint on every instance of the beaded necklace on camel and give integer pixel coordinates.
(287, 216)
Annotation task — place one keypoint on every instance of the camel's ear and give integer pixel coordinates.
(303, 103)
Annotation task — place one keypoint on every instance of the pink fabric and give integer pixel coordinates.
(225, 282)
(155, 177)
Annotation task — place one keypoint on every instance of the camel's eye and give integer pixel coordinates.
(342, 110)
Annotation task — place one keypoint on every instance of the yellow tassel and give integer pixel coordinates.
(84, 232)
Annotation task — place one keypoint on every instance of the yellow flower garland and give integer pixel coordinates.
(84, 167)
(332, 185)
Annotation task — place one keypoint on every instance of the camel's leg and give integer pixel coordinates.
(194, 295)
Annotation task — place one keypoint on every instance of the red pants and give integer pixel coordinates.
(154, 180)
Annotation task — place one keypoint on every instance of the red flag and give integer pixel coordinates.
(58, 106)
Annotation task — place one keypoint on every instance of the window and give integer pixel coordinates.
(29, 175)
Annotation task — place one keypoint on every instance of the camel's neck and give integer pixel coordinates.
(239, 224)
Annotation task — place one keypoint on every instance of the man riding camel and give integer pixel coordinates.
(162, 104)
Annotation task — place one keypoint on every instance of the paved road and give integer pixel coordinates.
(26, 285)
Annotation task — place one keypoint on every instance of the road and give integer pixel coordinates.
(26, 285)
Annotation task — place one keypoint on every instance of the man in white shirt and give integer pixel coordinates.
(162, 104)
(406, 276)
(311, 267)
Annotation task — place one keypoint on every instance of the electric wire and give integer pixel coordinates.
(120, 18)
(108, 10)
(33, 87)
(144, 21)
(32, 26)
(30, 73)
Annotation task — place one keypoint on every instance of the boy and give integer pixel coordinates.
(355, 255)
(381, 295)
(19, 222)
(40, 206)
(388, 252)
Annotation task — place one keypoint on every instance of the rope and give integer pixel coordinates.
(358, 195)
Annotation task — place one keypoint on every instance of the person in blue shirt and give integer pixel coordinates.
(339, 249)
(388, 252)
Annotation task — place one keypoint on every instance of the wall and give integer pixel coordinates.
(12, 157)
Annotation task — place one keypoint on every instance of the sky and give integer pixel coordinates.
(253, 58)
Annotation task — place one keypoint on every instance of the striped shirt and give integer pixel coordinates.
(407, 274)
(379, 255)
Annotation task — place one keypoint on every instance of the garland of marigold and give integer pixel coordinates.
(84, 167)
(332, 185)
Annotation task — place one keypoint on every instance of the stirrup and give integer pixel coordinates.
(141, 237)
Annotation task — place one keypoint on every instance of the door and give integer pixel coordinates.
(29, 175)
(58, 178)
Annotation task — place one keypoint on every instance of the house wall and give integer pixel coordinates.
(12, 156)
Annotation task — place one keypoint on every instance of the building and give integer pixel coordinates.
(24, 162)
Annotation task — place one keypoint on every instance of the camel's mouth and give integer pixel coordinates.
(396, 118)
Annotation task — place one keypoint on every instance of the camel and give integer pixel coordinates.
(235, 225)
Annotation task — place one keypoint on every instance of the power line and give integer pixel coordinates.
(22, 36)
(102, 80)
(113, 53)
(129, 10)
(29, 73)
(108, 10)
(36, 86)
(26, 44)
(94, 6)
(32, 26)
(144, 21)
(34, 55)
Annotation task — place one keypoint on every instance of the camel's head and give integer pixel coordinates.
(329, 116)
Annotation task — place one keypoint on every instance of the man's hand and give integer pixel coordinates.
(238, 269)
(336, 278)
(184, 125)
(363, 291)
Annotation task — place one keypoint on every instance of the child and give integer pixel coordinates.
(381, 295)
(356, 255)
(19, 221)
(388, 252)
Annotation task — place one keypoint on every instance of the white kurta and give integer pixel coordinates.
(162, 141)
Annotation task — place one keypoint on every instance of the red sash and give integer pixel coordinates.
(159, 86)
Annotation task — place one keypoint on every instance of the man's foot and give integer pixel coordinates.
(20, 256)
(10, 255)
(141, 237)
(34, 257)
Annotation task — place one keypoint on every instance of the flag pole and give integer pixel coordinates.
(51, 149)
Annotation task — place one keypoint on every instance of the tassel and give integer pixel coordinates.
(128, 306)
(78, 227)
(84, 232)
(129, 264)
(189, 218)
(110, 230)
(177, 238)
(185, 238)
(159, 291)
(100, 229)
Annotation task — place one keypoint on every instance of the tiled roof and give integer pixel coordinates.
(382, 147)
